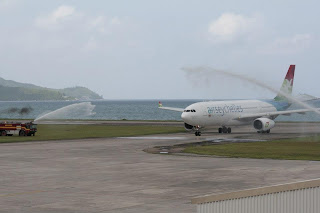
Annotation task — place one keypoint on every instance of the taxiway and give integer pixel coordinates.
(116, 175)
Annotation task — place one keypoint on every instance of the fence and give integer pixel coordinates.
(300, 197)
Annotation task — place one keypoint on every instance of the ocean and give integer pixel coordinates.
(117, 110)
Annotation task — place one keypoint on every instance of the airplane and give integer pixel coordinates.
(230, 113)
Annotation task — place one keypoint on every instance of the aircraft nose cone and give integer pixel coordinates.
(185, 117)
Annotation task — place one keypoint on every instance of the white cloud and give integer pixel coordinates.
(115, 21)
(289, 45)
(81, 30)
(99, 24)
(230, 27)
(104, 25)
(107, 32)
(55, 18)
(66, 17)
(98, 21)
(6, 4)
(91, 44)
(62, 12)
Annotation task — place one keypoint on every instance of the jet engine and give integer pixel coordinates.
(188, 127)
(263, 124)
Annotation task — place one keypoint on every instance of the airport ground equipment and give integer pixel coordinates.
(17, 128)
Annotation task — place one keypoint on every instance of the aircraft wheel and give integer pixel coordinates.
(220, 130)
(224, 129)
(229, 130)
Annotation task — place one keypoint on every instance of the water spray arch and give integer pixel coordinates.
(85, 108)
(208, 71)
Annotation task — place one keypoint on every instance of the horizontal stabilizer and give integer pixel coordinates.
(306, 97)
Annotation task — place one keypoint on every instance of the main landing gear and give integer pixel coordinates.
(224, 130)
(268, 131)
(197, 133)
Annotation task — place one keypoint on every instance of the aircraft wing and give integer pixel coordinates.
(270, 114)
(172, 109)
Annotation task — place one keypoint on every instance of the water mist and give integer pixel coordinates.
(207, 72)
(84, 109)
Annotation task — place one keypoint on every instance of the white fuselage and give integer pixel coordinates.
(223, 113)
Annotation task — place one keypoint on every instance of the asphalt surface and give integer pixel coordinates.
(115, 175)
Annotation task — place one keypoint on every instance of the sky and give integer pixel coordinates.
(137, 49)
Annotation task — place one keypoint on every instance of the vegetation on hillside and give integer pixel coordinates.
(10, 83)
(22, 94)
(80, 93)
(15, 91)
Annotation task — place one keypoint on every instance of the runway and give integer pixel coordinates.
(115, 175)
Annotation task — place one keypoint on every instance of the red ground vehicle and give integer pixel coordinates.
(17, 128)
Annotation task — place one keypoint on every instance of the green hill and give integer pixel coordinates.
(15, 91)
(80, 93)
(26, 94)
(9, 83)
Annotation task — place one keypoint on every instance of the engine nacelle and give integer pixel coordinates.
(263, 124)
(188, 127)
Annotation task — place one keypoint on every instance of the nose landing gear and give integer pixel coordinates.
(197, 133)
(224, 130)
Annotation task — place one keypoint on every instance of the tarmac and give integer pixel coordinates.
(116, 175)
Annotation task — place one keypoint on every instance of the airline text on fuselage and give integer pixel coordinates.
(219, 110)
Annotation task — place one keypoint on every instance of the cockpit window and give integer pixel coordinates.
(189, 110)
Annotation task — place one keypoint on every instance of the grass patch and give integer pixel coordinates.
(99, 120)
(61, 132)
(290, 149)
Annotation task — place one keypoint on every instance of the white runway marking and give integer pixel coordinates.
(155, 138)
(219, 140)
(216, 140)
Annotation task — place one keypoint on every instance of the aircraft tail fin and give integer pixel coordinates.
(287, 85)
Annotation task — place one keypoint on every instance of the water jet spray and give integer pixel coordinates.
(85, 108)
(209, 71)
